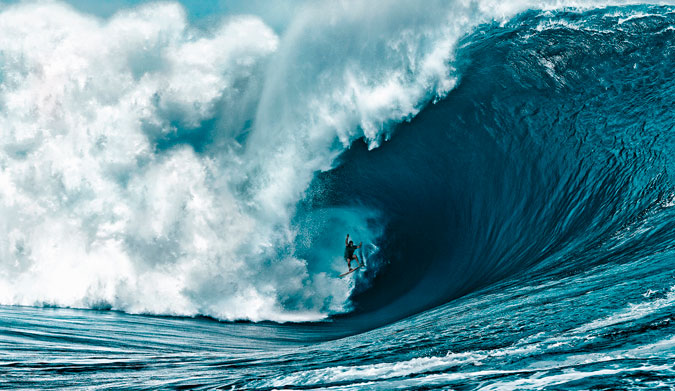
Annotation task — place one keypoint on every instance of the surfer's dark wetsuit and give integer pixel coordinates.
(349, 252)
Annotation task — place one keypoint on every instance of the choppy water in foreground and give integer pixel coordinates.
(608, 328)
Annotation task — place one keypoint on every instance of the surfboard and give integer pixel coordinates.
(351, 271)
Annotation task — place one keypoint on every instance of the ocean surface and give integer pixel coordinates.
(175, 192)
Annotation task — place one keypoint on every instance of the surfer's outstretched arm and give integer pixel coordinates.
(347, 240)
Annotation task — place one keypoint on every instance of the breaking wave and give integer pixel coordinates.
(150, 166)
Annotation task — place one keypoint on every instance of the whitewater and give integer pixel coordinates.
(176, 185)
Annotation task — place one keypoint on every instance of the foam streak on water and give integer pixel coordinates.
(491, 340)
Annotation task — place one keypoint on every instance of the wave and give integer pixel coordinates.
(551, 156)
(153, 167)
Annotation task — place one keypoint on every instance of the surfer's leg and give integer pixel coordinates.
(357, 260)
(354, 258)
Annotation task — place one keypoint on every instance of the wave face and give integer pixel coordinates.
(553, 155)
(149, 166)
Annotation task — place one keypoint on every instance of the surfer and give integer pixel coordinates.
(349, 253)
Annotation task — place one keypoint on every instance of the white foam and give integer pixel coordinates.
(91, 213)
(422, 371)
(540, 380)
(632, 312)
(379, 371)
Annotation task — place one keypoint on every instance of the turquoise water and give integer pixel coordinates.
(580, 332)
(174, 207)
